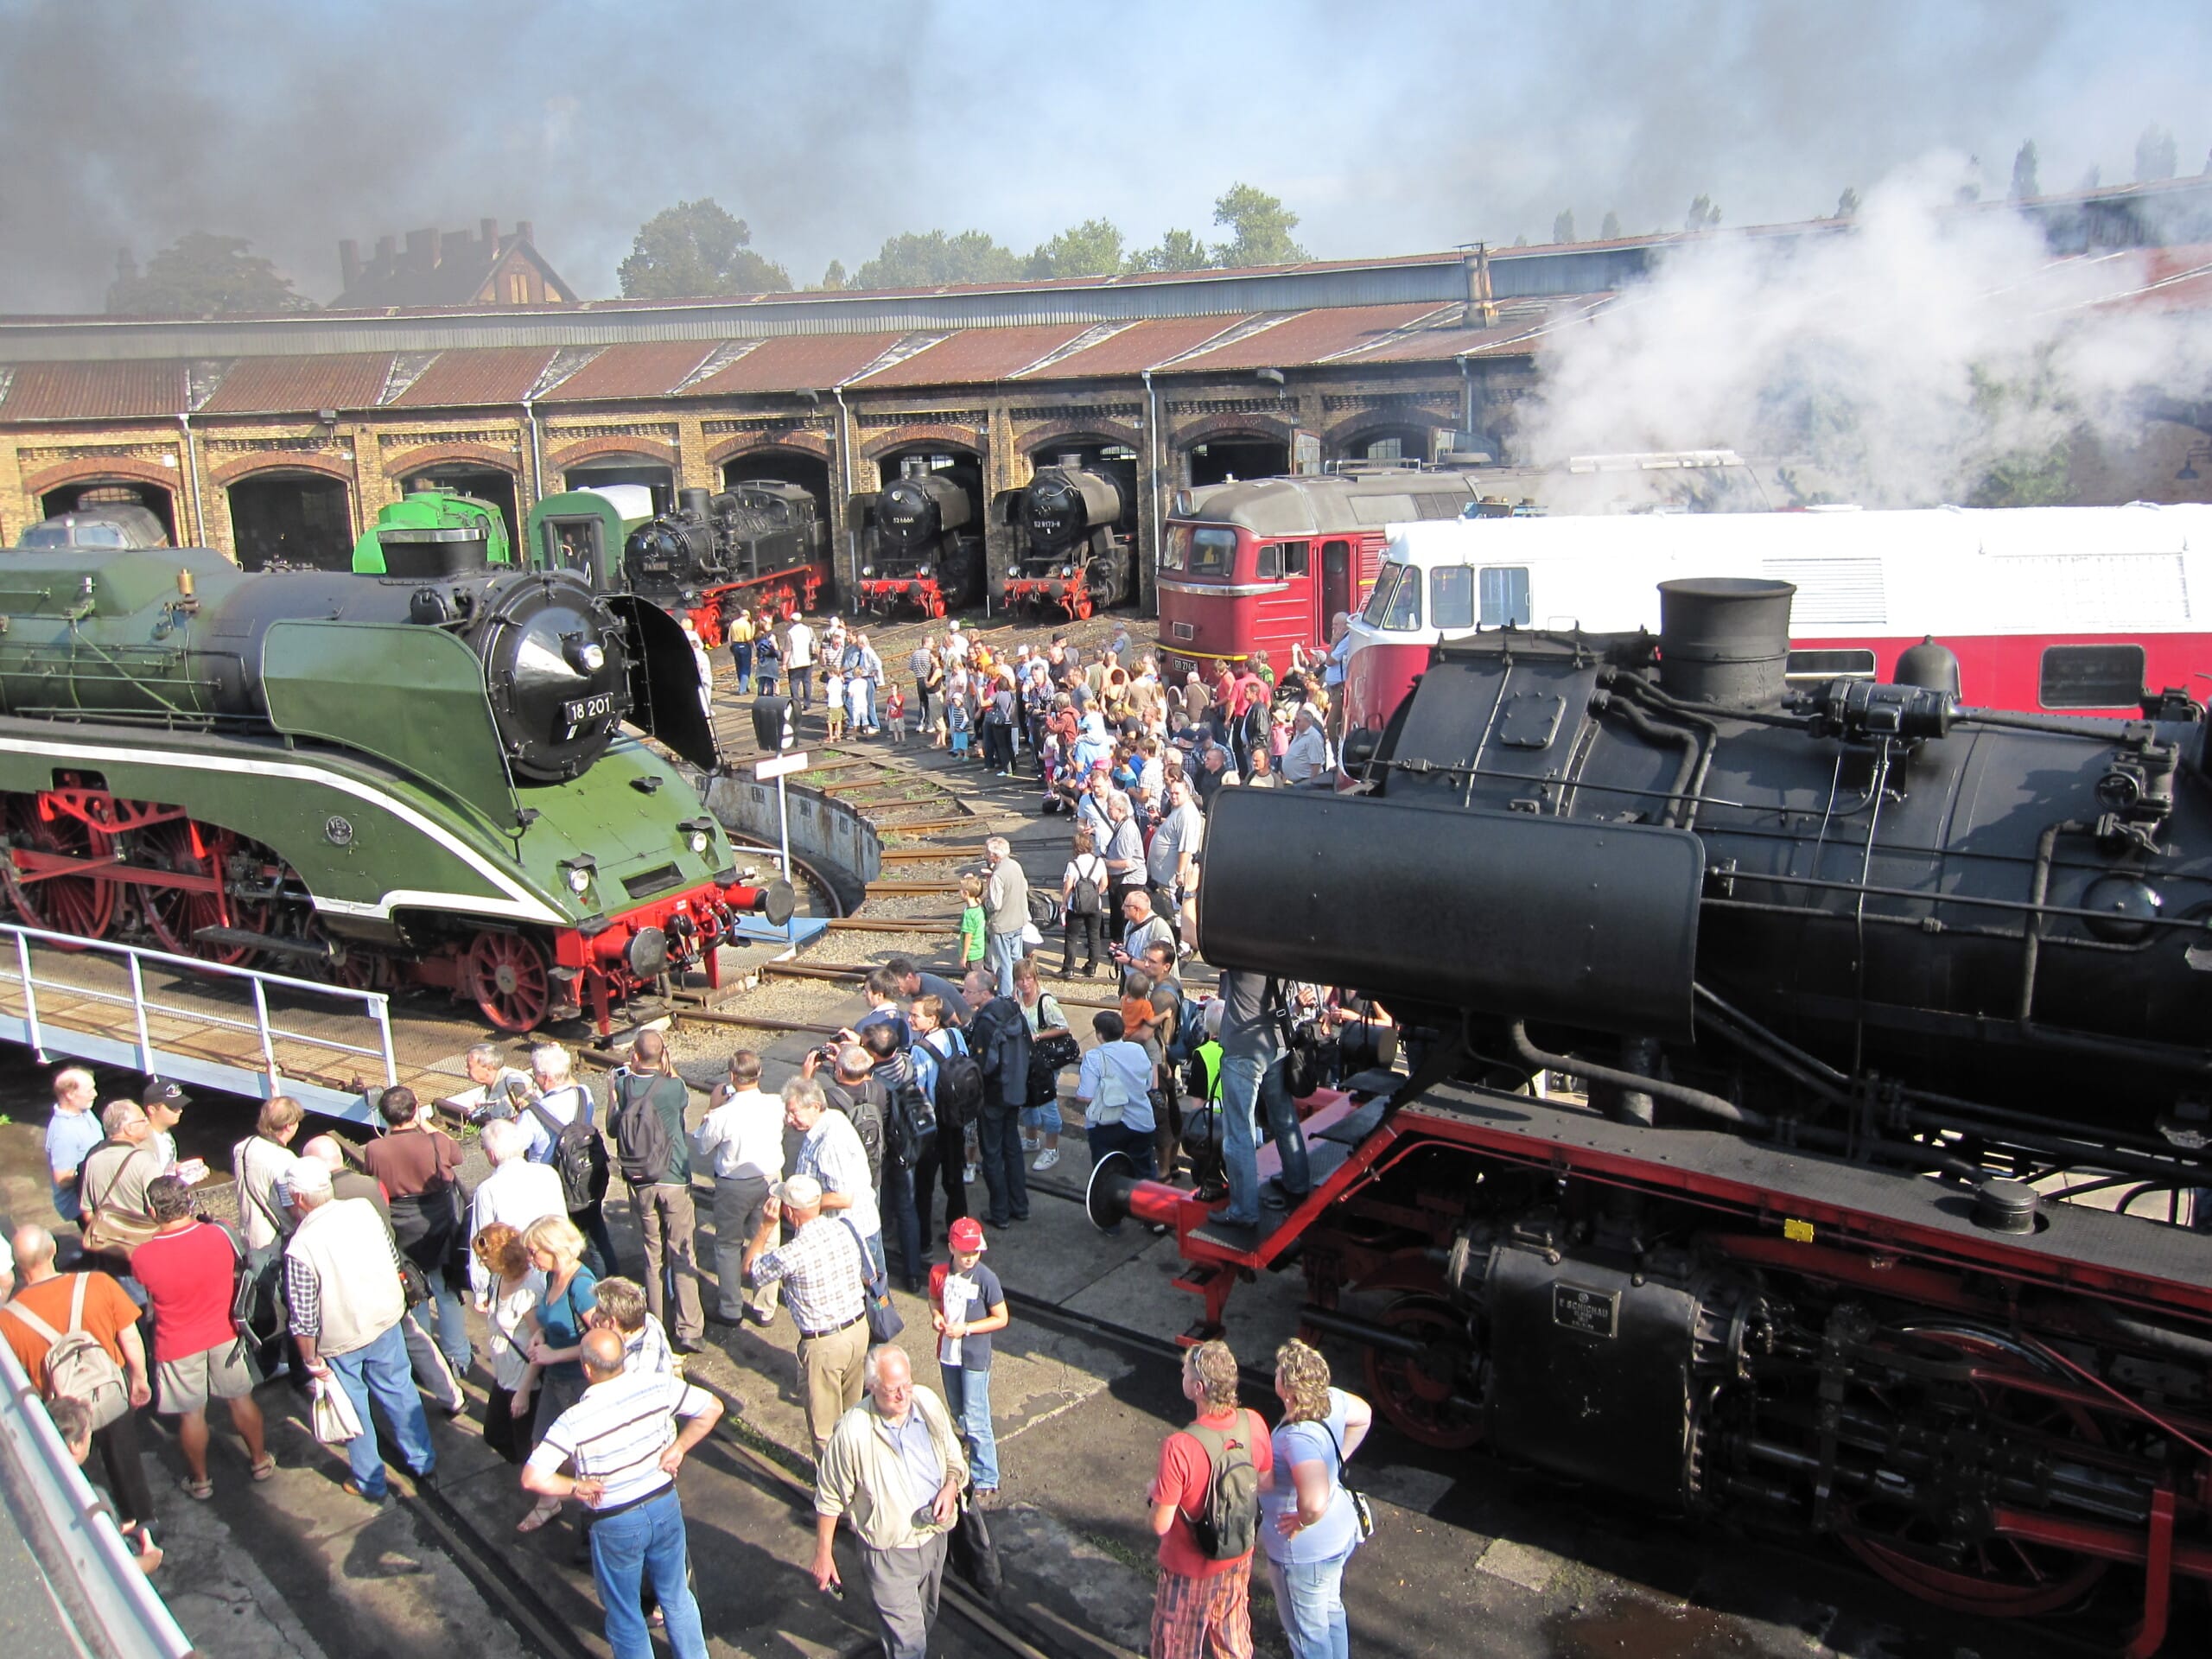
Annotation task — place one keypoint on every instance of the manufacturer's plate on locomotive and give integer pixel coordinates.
(1593, 1312)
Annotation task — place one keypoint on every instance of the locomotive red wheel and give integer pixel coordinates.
(59, 904)
(1081, 605)
(1416, 1393)
(510, 979)
(1996, 1577)
(175, 914)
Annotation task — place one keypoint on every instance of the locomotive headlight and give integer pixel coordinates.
(697, 833)
(1067, 570)
(867, 569)
(578, 873)
(585, 656)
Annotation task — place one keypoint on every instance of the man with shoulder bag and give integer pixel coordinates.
(559, 1119)
(113, 1183)
(646, 1102)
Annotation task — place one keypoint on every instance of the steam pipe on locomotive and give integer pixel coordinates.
(1871, 995)
(924, 554)
(1072, 554)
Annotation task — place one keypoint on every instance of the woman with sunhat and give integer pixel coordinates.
(969, 1306)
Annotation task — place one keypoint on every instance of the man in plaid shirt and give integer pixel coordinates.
(824, 1284)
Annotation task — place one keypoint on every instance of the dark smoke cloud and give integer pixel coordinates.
(1392, 125)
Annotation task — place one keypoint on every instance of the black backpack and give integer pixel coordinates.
(1050, 1051)
(1230, 1524)
(579, 1158)
(1086, 900)
(959, 1089)
(641, 1136)
(908, 1124)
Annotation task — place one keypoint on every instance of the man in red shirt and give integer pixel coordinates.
(1202, 1609)
(189, 1269)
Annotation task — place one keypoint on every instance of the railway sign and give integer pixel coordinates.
(779, 766)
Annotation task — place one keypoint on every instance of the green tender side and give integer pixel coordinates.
(433, 510)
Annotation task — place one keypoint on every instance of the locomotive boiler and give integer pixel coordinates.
(1073, 556)
(756, 543)
(926, 554)
(1865, 1207)
(418, 777)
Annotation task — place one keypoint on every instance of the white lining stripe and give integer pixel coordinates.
(520, 904)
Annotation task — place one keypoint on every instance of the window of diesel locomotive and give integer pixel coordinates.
(1399, 606)
(2091, 676)
(1294, 559)
(1378, 597)
(1505, 590)
(1202, 552)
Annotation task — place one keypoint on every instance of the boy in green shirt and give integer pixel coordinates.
(972, 920)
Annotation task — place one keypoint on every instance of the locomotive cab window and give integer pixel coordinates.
(1452, 596)
(2091, 677)
(1269, 568)
(1203, 552)
(1293, 558)
(1396, 603)
(1506, 595)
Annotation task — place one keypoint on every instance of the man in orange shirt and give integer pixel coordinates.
(111, 1317)
(1203, 1608)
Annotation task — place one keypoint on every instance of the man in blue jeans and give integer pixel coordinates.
(622, 1441)
(1251, 1077)
(341, 1276)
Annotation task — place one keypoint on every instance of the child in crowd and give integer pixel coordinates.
(957, 714)
(967, 1308)
(833, 701)
(894, 714)
(972, 920)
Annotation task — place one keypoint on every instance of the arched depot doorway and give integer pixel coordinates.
(492, 485)
(91, 493)
(300, 519)
(1236, 455)
(810, 472)
(1389, 444)
(603, 471)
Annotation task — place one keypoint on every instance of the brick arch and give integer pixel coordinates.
(1225, 426)
(745, 444)
(1339, 438)
(1099, 431)
(86, 472)
(231, 472)
(584, 449)
(959, 437)
(405, 465)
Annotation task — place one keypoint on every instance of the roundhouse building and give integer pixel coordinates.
(281, 436)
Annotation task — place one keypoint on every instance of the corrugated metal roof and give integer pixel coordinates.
(1521, 328)
(500, 375)
(74, 391)
(974, 356)
(1137, 348)
(796, 363)
(293, 384)
(642, 370)
(1307, 337)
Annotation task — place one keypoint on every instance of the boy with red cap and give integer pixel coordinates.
(969, 1306)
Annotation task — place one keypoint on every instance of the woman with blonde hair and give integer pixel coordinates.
(516, 1288)
(552, 1334)
(1308, 1524)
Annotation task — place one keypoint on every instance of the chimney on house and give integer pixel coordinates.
(523, 232)
(453, 248)
(1482, 309)
(349, 262)
(488, 232)
(422, 251)
(387, 256)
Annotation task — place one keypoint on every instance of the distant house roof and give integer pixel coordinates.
(446, 268)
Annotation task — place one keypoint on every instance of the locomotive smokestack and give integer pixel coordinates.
(913, 467)
(1724, 640)
(693, 500)
(1073, 463)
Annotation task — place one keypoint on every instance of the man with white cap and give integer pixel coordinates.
(824, 1276)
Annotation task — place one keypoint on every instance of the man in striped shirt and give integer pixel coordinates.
(621, 1440)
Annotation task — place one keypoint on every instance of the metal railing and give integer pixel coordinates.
(375, 1005)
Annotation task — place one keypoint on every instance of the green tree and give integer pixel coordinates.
(1846, 205)
(1563, 225)
(1610, 229)
(1177, 250)
(1260, 226)
(198, 275)
(2156, 157)
(2024, 182)
(1704, 214)
(696, 248)
(1090, 249)
(914, 260)
(834, 279)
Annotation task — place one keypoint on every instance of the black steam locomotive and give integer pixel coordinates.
(1885, 1021)
(756, 543)
(1074, 555)
(924, 553)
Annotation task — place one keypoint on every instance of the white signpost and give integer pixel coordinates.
(780, 767)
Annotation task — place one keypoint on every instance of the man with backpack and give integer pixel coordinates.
(645, 1106)
(1205, 1512)
(561, 1134)
(998, 1039)
(77, 1337)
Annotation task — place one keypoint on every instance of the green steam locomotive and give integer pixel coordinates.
(430, 776)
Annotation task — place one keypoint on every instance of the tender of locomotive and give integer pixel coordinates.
(756, 543)
(1889, 1016)
(926, 555)
(420, 778)
(1074, 554)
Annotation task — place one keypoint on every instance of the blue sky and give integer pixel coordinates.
(1389, 126)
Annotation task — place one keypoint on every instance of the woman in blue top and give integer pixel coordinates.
(1306, 1524)
(552, 1333)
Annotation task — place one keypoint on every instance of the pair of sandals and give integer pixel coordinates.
(200, 1490)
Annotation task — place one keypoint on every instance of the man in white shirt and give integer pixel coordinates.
(798, 658)
(742, 1138)
(517, 1191)
(1114, 1089)
(492, 1086)
(1308, 757)
(833, 1154)
(621, 1440)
